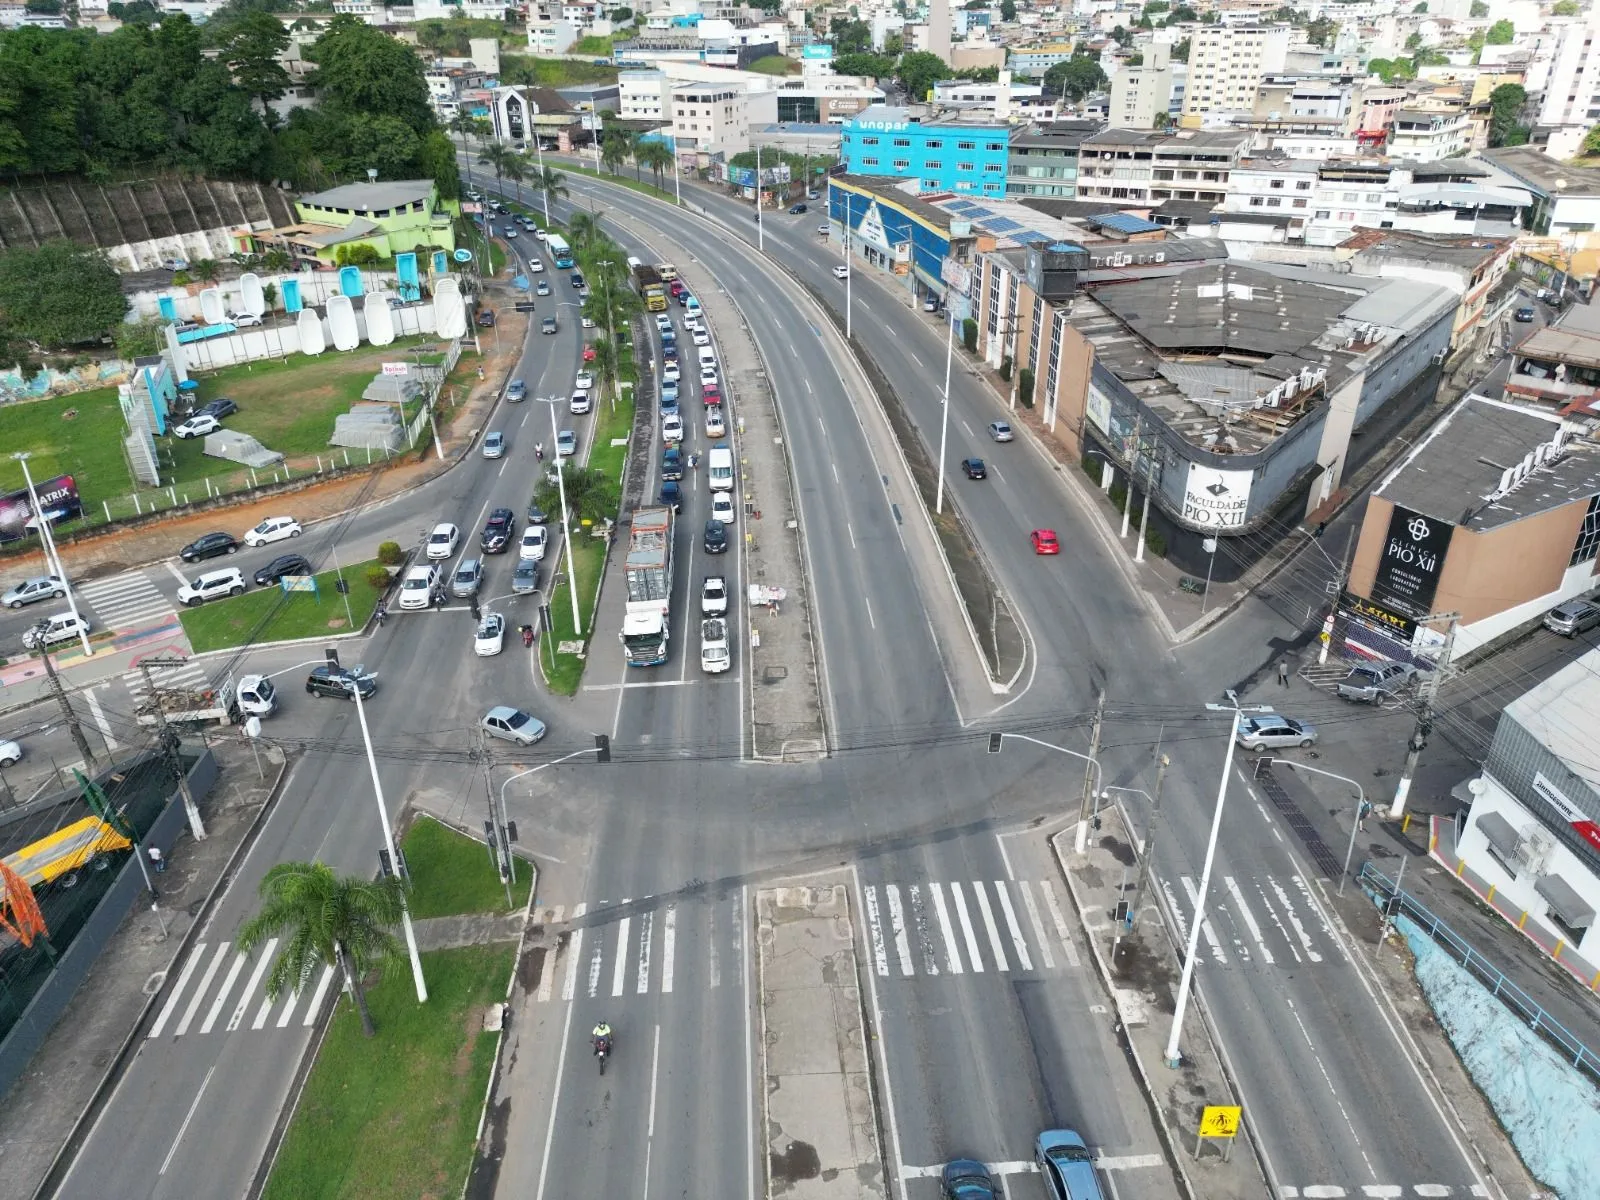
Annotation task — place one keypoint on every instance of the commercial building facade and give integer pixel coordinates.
(942, 156)
(1132, 168)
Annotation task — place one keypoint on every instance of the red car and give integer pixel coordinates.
(677, 288)
(711, 395)
(588, 354)
(1044, 542)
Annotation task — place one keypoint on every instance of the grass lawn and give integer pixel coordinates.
(76, 446)
(396, 1116)
(451, 873)
(557, 72)
(269, 615)
(588, 554)
(775, 64)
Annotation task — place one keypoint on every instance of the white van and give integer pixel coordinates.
(719, 464)
(708, 357)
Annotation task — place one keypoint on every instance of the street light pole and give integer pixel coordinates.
(52, 558)
(1361, 805)
(566, 522)
(538, 148)
(761, 235)
(508, 864)
(388, 839)
(1147, 855)
(1186, 980)
(944, 411)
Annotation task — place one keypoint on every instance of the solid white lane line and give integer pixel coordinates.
(1248, 917)
(251, 986)
(1017, 940)
(100, 719)
(975, 958)
(669, 942)
(210, 1022)
(177, 991)
(620, 970)
(880, 956)
(1001, 963)
(1005, 858)
(646, 929)
(650, 1127)
(201, 988)
(867, 600)
(569, 985)
(952, 953)
(189, 1116)
(1038, 926)
(316, 997)
(897, 922)
(1060, 922)
(555, 1106)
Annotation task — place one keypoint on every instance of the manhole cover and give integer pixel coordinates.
(775, 674)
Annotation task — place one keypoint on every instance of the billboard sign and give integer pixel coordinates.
(58, 499)
(1411, 562)
(1214, 499)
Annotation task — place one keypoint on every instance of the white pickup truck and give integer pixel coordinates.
(232, 703)
(714, 656)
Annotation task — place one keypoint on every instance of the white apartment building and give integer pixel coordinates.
(1139, 94)
(1428, 134)
(1002, 101)
(644, 96)
(1132, 167)
(1571, 99)
(1274, 186)
(716, 119)
(1227, 65)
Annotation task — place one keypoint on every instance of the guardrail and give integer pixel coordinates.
(1394, 901)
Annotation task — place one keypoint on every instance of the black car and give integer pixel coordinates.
(577, 279)
(974, 468)
(1525, 315)
(329, 680)
(537, 515)
(796, 209)
(284, 564)
(498, 531)
(716, 537)
(219, 408)
(486, 318)
(209, 545)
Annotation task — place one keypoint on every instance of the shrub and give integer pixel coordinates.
(181, 279)
(1155, 542)
(1118, 491)
(969, 335)
(378, 578)
(1005, 368)
(1025, 387)
(1092, 466)
(390, 554)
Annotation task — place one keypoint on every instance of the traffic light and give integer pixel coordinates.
(994, 742)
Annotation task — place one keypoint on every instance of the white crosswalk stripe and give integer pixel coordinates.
(982, 897)
(1256, 921)
(190, 676)
(127, 601)
(198, 989)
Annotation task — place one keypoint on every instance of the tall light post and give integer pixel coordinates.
(388, 840)
(944, 408)
(1147, 855)
(52, 559)
(538, 148)
(1186, 980)
(566, 522)
(508, 868)
(761, 236)
(1361, 805)
(849, 269)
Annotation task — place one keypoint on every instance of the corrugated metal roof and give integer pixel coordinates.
(1125, 223)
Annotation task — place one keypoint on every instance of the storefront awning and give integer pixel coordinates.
(1502, 835)
(1575, 912)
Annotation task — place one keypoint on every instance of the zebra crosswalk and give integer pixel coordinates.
(199, 995)
(1264, 921)
(188, 677)
(127, 601)
(636, 953)
(970, 927)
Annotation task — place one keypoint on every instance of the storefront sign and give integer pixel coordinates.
(870, 230)
(58, 500)
(1392, 623)
(1583, 824)
(882, 126)
(1098, 410)
(1216, 499)
(1412, 560)
(956, 275)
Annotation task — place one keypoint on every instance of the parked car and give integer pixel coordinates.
(468, 578)
(273, 529)
(486, 318)
(284, 564)
(584, 381)
(63, 627)
(579, 403)
(1371, 682)
(197, 426)
(525, 579)
(341, 683)
(1269, 731)
(442, 541)
(209, 545)
(490, 636)
(1525, 315)
(494, 444)
(514, 725)
(30, 591)
(213, 585)
(244, 320)
(10, 753)
(218, 408)
(1572, 618)
(974, 468)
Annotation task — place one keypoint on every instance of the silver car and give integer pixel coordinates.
(1000, 431)
(29, 591)
(1371, 682)
(1569, 619)
(1269, 731)
(468, 578)
(512, 724)
(494, 445)
(525, 578)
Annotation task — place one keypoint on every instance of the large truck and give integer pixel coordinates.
(647, 572)
(647, 282)
(231, 704)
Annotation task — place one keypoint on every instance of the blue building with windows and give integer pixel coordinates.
(925, 248)
(942, 156)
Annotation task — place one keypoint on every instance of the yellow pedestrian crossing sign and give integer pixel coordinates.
(1220, 1121)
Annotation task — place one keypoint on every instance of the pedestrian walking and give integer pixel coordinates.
(158, 860)
(1283, 672)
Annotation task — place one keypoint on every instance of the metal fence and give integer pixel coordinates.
(1388, 896)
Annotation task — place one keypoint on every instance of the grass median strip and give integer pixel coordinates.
(588, 555)
(271, 615)
(396, 1115)
(452, 874)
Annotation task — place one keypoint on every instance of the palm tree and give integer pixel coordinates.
(635, 144)
(329, 920)
(515, 168)
(550, 182)
(583, 228)
(604, 366)
(277, 260)
(613, 151)
(465, 123)
(657, 157)
(206, 270)
(497, 156)
(590, 494)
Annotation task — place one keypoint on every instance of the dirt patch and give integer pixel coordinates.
(799, 1161)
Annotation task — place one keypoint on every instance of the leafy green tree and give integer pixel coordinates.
(1181, 14)
(584, 228)
(1180, 51)
(850, 37)
(1479, 9)
(1500, 33)
(548, 182)
(139, 339)
(1121, 35)
(624, 16)
(361, 69)
(1076, 78)
(326, 920)
(206, 270)
(894, 45)
(251, 52)
(1420, 7)
(1008, 10)
(497, 156)
(613, 151)
(1564, 8)
(60, 294)
(1322, 31)
(978, 74)
(919, 71)
(656, 155)
(1413, 41)
(138, 12)
(1390, 70)
(437, 158)
(1429, 58)
(873, 66)
(1505, 106)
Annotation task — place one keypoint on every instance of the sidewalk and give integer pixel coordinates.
(1140, 972)
(84, 1053)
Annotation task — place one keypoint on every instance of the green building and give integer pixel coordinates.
(389, 216)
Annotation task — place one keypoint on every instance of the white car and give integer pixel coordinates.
(586, 322)
(534, 541)
(197, 426)
(443, 540)
(584, 381)
(63, 627)
(663, 322)
(490, 637)
(540, 234)
(708, 377)
(672, 428)
(510, 232)
(10, 754)
(700, 337)
(44, 587)
(722, 507)
(691, 323)
(715, 426)
(713, 596)
(535, 265)
(213, 585)
(273, 529)
(670, 373)
(244, 320)
(420, 583)
(579, 402)
(841, 272)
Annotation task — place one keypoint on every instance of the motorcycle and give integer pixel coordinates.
(527, 635)
(602, 1051)
(538, 453)
(380, 614)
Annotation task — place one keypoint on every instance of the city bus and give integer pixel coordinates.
(559, 250)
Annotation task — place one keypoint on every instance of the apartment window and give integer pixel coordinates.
(1321, 214)
(1256, 201)
(1274, 201)
(1349, 197)
(1299, 202)
(993, 188)
(1347, 216)
(966, 145)
(866, 141)
(1374, 197)
(934, 145)
(869, 162)
(900, 164)
(902, 141)
(931, 185)
(994, 146)
(1302, 185)
(934, 164)
(965, 167)
(1277, 183)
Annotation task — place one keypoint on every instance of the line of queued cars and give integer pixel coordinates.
(1065, 1162)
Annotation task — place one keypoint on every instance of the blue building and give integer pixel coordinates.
(942, 156)
(919, 244)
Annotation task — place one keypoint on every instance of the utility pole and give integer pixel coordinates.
(1146, 865)
(169, 743)
(1425, 699)
(1133, 472)
(1088, 774)
(1333, 600)
(66, 707)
